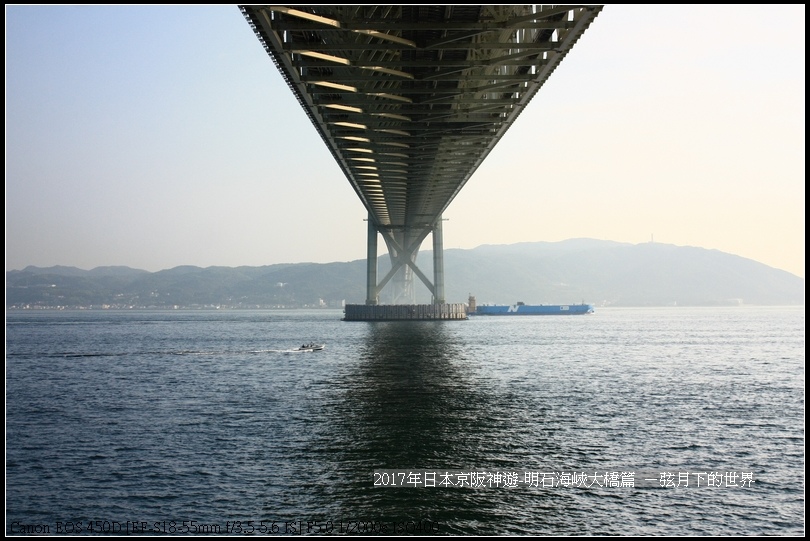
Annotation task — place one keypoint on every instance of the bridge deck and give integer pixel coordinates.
(411, 99)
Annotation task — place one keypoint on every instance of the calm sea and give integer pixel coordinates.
(668, 421)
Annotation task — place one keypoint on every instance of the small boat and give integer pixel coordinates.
(310, 347)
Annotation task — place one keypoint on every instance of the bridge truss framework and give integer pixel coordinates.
(411, 99)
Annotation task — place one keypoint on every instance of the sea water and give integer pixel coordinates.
(636, 421)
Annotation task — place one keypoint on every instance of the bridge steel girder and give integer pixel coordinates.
(411, 99)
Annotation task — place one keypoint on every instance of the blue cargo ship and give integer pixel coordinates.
(521, 309)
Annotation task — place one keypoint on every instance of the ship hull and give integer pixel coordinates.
(535, 310)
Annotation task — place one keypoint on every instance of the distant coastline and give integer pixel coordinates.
(602, 273)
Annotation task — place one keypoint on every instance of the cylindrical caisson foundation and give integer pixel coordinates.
(401, 312)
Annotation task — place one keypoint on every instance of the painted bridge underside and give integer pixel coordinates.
(411, 99)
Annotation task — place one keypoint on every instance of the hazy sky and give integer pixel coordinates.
(153, 137)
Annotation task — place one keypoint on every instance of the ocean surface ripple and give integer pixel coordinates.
(161, 418)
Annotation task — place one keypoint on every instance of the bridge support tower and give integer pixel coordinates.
(403, 247)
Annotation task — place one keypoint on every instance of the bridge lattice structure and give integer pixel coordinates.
(410, 100)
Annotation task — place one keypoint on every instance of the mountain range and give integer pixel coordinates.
(603, 273)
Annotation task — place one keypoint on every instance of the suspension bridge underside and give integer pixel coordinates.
(410, 100)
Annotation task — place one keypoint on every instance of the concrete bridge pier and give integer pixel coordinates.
(372, 294)
(403, 247)
(438, 262)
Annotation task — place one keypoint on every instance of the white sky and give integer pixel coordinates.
(153, 137)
